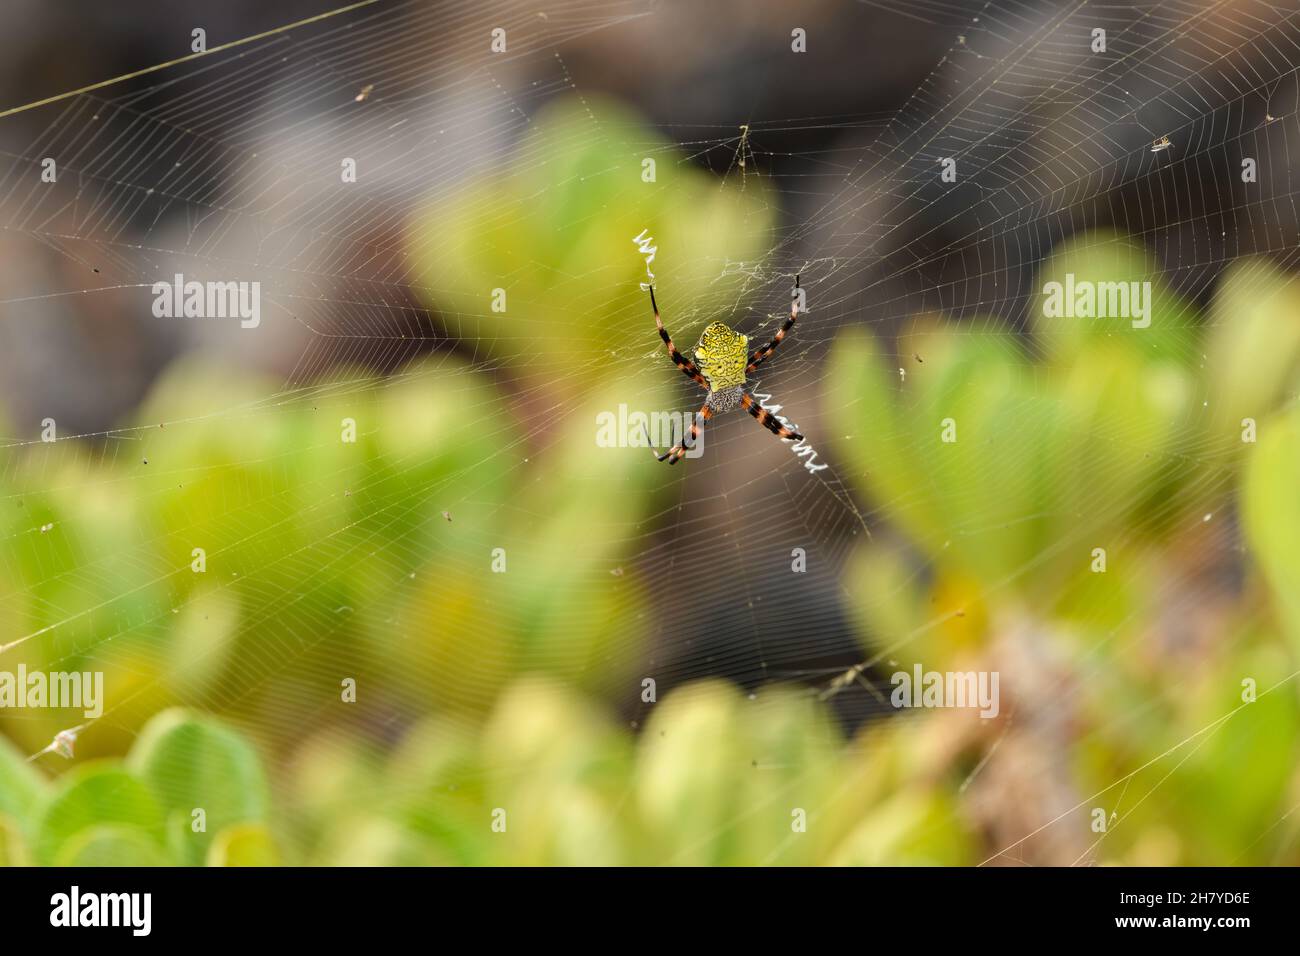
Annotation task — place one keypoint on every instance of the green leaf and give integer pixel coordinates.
(111, 845)
(194, 763)
(1271, 509)
(21, 784)
(1253, 348)
(245, 844)
(13, 849)
(95, 793)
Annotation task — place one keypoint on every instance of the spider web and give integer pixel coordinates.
(228, 166)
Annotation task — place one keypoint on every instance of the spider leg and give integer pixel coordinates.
(767, 419)
(681, 361)
(761, 355)
(678, 451)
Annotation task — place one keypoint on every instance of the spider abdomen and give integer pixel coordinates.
(726, 399)
(722, 356)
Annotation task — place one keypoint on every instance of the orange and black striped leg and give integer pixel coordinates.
(680, 360)
(767, 419)
(761, 355)
(678, 452)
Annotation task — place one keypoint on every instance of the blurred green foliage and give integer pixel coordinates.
(327, 560)
(1083, 435)
(141, 811)
(1272, 513)
(555, 227)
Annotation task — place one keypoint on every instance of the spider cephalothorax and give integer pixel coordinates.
(722, 365)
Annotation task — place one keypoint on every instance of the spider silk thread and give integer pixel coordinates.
(648, 251)
(801, 448)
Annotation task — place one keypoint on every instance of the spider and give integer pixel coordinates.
(724, 363)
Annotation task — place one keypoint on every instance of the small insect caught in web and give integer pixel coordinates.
(365, 92)
(744, 158)
(63, 744)
(1160, 145)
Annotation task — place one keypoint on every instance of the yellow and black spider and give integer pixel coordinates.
(724, 363)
